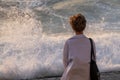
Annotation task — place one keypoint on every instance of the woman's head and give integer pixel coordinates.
(78, 22)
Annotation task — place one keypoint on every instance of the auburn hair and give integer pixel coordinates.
(78, 22)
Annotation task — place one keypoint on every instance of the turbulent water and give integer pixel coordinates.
(33, 32)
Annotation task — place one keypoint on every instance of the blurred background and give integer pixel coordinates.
(33, 33)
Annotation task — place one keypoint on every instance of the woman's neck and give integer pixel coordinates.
(78, 33)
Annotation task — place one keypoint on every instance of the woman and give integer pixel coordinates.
(76, 54)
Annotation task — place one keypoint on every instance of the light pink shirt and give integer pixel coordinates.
(76, 58)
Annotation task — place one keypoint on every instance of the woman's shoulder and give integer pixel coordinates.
(77, 37)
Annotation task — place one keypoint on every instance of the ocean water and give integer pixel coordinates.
(33, 33)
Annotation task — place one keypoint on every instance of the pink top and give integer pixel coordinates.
(76, 58)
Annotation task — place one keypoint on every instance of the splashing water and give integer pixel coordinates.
(32, 35)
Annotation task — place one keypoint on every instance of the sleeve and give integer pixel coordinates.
(65, 55)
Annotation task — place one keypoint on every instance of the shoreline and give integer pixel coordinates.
(111, 75)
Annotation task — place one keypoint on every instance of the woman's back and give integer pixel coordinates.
(78, 58)
(79, 47)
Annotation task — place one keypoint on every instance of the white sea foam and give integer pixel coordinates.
(26, 51)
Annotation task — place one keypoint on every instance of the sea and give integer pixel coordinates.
(33, 33)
